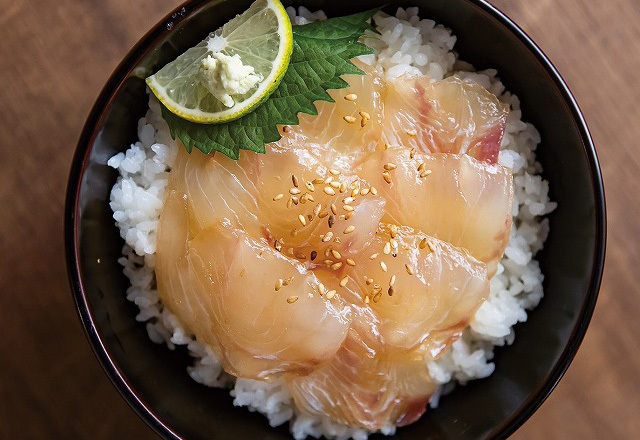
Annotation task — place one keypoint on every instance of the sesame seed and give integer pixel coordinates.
(366, 299)
(295, 200)
(321, 288)
(386, 177)
(334, 172)
(327, 237)
(289, 203)
(373, 256)
(323, 214)
(389, 166)
(277, 245)
(292, 299)
(383, 265)
(317, 180)
(387, 145)
(336, 254)
(408, 268)
(317, 209)
(334, 209)
(329, 191)
(331, 294)
(336, 266)
(363, 122)
(364, 191)
(349, 229)
(391, 290)
(309, 197)
(377, 297)
(314, 254)
(337, 240)
(347, 207)
(431, 247)
(412, 153)
(349, 215)
(294, 180)
(331, 220)
(421, 166)
(335, 184)
(278, 197)
(425, 173)
(394, 243)
(294, 191)
(344, 281)
(387, 248)
(343, 187)
(392, 281)
(393, 231)
(328, 263)
(364, 114)
(423, 243)
(302, 220)
(279, 284)
(348, 200)
(287, 281)
(411, 133)
(349, 119)
(342, 217)
(350, 262)
(351, 97)
(369, 281)
(310, 186)
(374, 191)
(355, 192)
(328, 180)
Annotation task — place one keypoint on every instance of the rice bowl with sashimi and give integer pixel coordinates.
(314, 258)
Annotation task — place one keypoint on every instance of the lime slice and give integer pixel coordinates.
(232, 71)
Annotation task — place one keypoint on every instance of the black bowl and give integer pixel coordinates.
(153, 379)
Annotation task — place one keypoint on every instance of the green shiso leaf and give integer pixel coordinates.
(322, 52)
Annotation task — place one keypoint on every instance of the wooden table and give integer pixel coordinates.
(55, 57)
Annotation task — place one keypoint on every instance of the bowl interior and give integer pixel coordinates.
(154, 379)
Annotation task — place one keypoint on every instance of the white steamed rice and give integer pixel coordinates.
(408, 45)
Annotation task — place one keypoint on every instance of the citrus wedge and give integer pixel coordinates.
(232, 71)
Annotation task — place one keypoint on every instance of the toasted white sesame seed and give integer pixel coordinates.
(302, 220)
(394, 243)
(342, 217)
(351, 97)
(350, 262)
(364, 191)
(366, 299)
(387, 248)
(373, 256)
(336, 254)
(389, 166)
(287, 281)
(383, 265)
(393, 231)
(327, 237)
(331, 294)
(392, 281)
(364, 114)
(409, 269)
(374, 191)
(317, 209)
(386, 177)
(318, 180)
(349, 215)
(425, 173)
(329, 191)
(278, 197)
(387, 145)
(347, 207)
(349, 119)
(323, 214)
(336, 266)
(292, 299)
(321, 288)
(294, 180)
(355, 192)
(348, 200)
(335, 184)
(279, 284)
(328, 180)
(343, 187)
(421, 166)
(423, 243)
(412, 153)
(334, 209)
(334, 172)
(294, 191)
(431, 247)
(310, 186)
(344, 281)
(411, 133)
(349, 229)
(295, 200)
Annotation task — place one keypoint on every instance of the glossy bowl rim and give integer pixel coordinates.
(96, 118)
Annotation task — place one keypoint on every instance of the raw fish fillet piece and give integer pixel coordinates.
(379, 377)
(221, 284)
(461, 200)
(447, 116)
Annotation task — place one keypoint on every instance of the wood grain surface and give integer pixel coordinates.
(55, 57)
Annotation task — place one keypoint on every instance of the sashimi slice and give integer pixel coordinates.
(260, 309)
(448, 116)
(458, 199)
